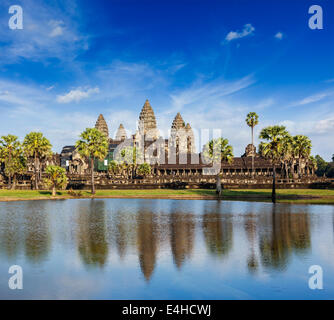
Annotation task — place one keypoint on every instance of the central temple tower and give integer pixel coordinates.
(147, 122)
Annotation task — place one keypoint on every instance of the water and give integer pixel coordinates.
(165, 249)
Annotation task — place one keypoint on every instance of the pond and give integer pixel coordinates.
(165, 249)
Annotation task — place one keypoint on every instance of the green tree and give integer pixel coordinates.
(252, 120)
(302, 150)
(333, 157)
(322, 165)
(272, 147)
(218, 150)
(56, 178)
(287, 156)
(11, 154)
(93, 145)
(144, 169)
(37, 147)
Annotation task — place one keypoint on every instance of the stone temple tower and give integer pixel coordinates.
(147, 122)
(121, 133)
(102, 126)
(182, 136)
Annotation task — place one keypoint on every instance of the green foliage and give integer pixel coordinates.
(114, 167)
(324, 168)
(275, 137)
(301, 146)
(252, 119)
(144, 169)
(36, 145)
(56, 177)
(93, 144)
(11, 154)
(218, 150)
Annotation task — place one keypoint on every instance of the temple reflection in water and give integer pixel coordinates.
(267, 237)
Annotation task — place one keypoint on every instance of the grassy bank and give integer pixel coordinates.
(296, 195)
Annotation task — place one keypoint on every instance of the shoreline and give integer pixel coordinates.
(302, 196)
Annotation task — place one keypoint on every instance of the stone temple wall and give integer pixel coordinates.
(105, 181)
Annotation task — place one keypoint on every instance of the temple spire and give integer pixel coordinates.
(102, 126)
(147, 121)
(178, 122)
(121, 133)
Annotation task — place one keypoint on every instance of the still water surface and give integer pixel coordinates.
(165, 249)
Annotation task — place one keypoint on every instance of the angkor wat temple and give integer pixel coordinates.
(174, 161)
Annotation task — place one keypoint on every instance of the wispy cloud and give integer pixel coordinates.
(246, 31)
(77, 95)
(313, 98)
(57, 28)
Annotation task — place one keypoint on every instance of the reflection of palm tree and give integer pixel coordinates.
(218, 233)
(289, 231)
(37, 234)
(92, 242)
(147, 242)
(250, 228)
(10, 237)
(182, 236)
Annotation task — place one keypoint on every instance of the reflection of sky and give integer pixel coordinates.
(74, 249)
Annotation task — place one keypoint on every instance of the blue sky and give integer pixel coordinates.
(213, 61)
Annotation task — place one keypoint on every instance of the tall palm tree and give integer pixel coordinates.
(287, 156)
(38, 147)
(12, 156)
(271, 148)
(93, 145)
(252, 120)
(302, 146)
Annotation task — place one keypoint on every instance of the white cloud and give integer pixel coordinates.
(77, 95)
(246, 31)
(313, 98)
(279, 35)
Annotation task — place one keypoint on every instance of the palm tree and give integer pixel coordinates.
(274, 137)
(252, 120)
(287, 156)
(38, 147)
(11, 155)
(144, 169)
(218, 150)
(93, 145)
(302, 146)
(56, 178)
